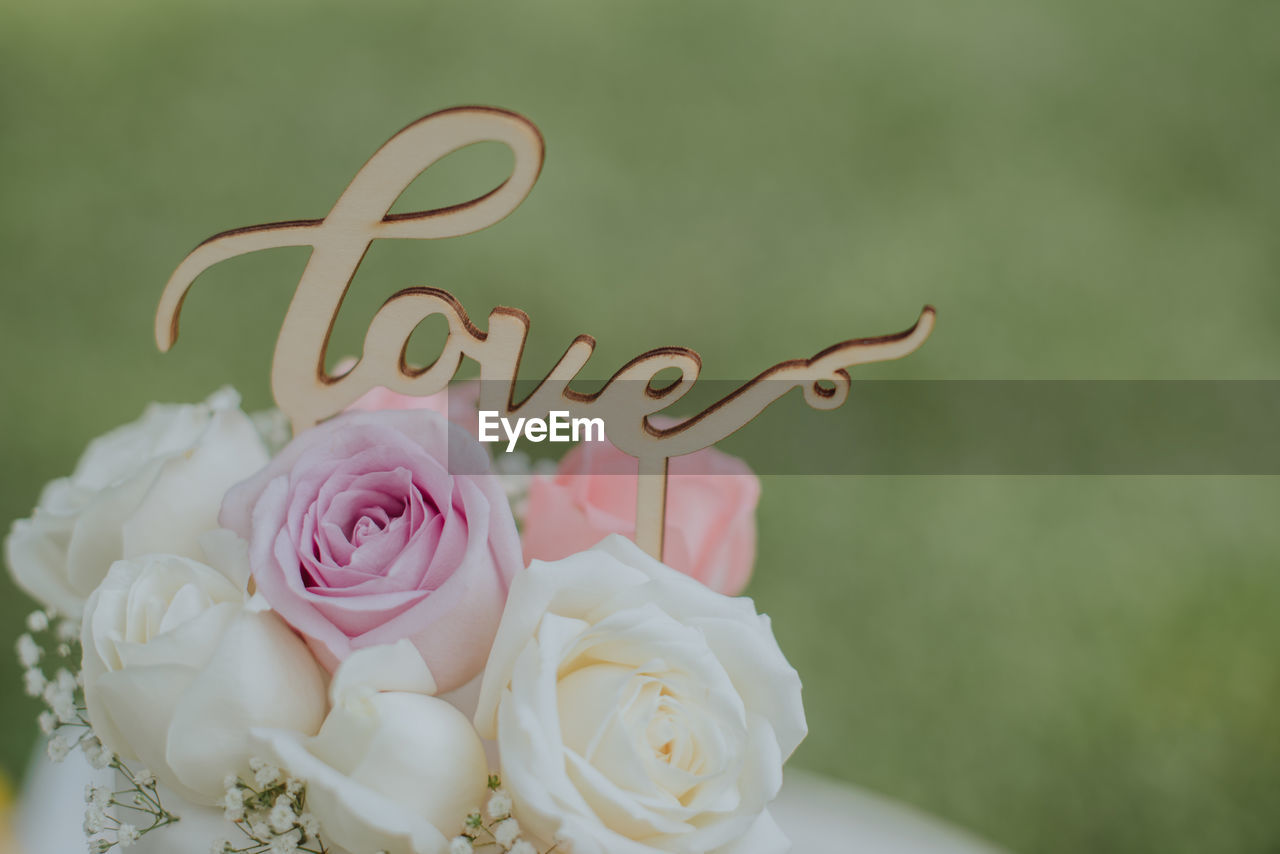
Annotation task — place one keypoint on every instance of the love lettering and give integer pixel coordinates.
(307, 394)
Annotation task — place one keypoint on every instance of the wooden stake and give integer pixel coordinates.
(651, 505)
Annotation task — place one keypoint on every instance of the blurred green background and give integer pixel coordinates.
(1085, 189)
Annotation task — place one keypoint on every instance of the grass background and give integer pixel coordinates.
(1085, 189)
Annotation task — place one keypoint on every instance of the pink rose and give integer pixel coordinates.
(359, 535)
(711, 506)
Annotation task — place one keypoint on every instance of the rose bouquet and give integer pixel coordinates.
(376, 638)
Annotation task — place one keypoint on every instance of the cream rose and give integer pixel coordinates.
(637, 711)
(393, 769)
(152, 486)
(178, 668)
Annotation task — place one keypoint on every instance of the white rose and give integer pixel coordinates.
(152, 486)
(393, 769)
(178, 668)
(637, 711)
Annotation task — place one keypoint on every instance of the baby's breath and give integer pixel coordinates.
(66, 723)
(501, 831)
(271, 814)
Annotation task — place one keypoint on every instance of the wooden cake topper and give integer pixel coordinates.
(307, 394)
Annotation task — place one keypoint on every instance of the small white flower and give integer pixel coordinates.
(59, 747)
(220, 846)
(231, 781)
(126, 835)
(66, 680)
(64, 707)
(48, 722)
(99, 846)
(233, 804)
(34, 682)
(99, 757)
(499, 804)
(144, 778)
(507, 832)
(95, 820)
(310, 825)
(60, 694)
(29, 651)
(282, 816)
(98, 796)
(460, 845)
(68, 630)
(265, 775)
(286, 844)
(260, 829)
(523, 847)
(37, 621)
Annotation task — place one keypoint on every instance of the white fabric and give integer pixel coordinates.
(824, 816)
(820, 816)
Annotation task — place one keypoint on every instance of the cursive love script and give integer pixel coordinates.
(307, 394)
